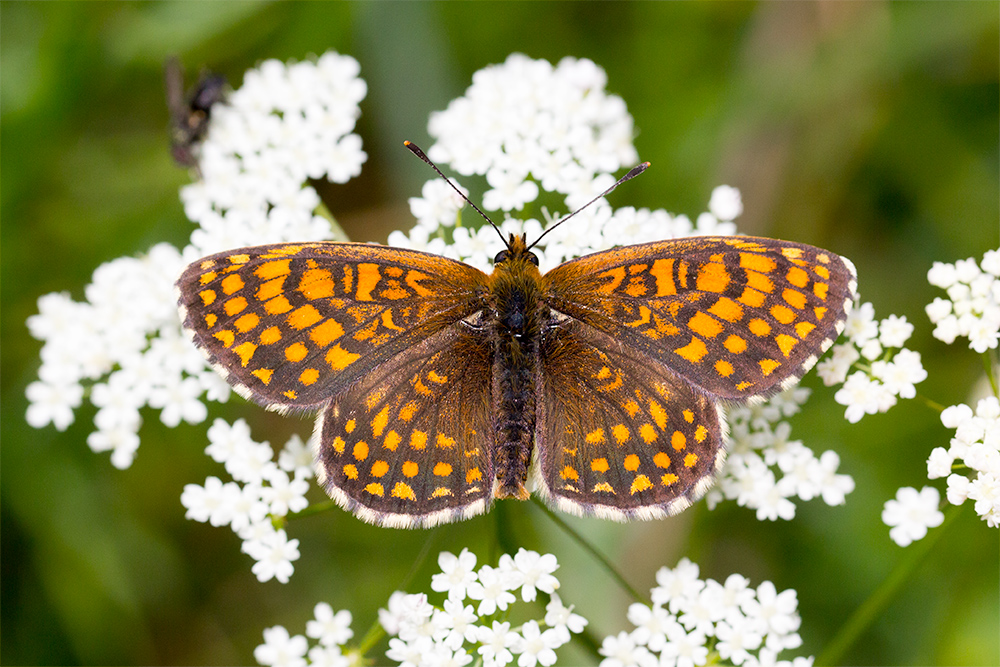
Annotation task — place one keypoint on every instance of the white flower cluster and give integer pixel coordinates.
(977, 446)
(911, 513)
(884, 370)
(765, 468)
(531, 127)
(527, 118)
(468, 623)
(972, 308)
(694, 622)
(285, 125)
(331, 630)
(261, 492)
(122, 348)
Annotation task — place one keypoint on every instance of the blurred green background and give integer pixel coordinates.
(869, 128)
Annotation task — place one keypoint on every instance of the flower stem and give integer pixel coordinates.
(597, 555)
(318, 508)
(988, 364)
(864, 615)
(933, 405)
(376, 631)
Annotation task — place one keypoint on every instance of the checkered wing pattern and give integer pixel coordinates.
(737, 317)
(292, 325)
(620, 436)
(409, 445)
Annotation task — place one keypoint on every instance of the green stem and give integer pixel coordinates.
(317, 508)
(988, 364)
(864, 615)
(376, 631)
(933, 405)
(597, 555)
(336, 231)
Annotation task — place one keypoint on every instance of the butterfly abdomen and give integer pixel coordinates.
(515, 331)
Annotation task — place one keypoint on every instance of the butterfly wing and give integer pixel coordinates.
(620, 435)
(737, 317)
(292, 325)
(409, 444)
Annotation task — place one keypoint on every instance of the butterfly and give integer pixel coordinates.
(189, 112)
(441, 388)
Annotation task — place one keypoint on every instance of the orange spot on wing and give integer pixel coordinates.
(351, 471)
(648, 433)
(418, 440)
(339, 358)
(245, 352)
(410, 468)
(735, 344)
(368, 277)
(797, 277)
(661, 460)
(569, 472)
(232, 284)
(639, 484)
(277, 306)
(380, 422)
(263, 374)
(361, 450)
(782, 314)
(678, 441)
(690, 459)
(693, 351)
(621, 433)
(273, 269)
(752, 298)
(663, 272)
(794, 298)
(379, 468)
(599, 465)
(712, 277)
(317, 284)
(247, 322)
(759, 327)
(705, 325)
(296, 352)
(631, 463)
(785, 343)
(375, 489)
(326, 332)
(754, 262)
(767, 366)
(309, 376)
(235, 305)
(442, 469)
(726, 309)
(270, 336)
(723, 368)
(303, 316)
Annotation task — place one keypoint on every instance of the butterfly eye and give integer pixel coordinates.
(501, 257)
(533, 258)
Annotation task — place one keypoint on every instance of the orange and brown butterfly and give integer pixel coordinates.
(441, 388)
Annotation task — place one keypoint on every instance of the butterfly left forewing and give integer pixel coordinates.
(291, 325)
(738, 317)
(619, 435)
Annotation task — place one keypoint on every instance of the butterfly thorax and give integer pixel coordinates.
(516, 320)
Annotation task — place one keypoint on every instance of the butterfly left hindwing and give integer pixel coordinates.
(410, 444)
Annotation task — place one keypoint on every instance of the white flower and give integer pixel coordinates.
(328, 627)
(623, 651)
(534, 571)
(939, 463)
(562, 618)
(536, 647)
(861, 395)
(492, 590)
(52, 404)
(274, 555)
(281, 650)
(457, 572)
(911, 514)
(495, 643)
(726, 203)
(438, 206)
(737, 637)
(894, 331)
(778, 614)
(284, 495)
(684, 649)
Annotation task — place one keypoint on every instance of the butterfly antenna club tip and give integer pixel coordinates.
(632, 173)
(423, 156)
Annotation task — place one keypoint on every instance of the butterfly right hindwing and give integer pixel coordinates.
(620, 436)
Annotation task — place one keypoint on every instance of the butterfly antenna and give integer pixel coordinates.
(423, 156)
(633, 172)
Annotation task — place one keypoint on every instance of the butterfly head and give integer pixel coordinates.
(517, 251)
